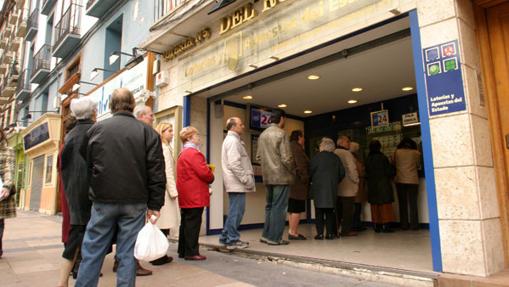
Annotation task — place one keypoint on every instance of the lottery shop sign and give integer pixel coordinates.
(444, 81)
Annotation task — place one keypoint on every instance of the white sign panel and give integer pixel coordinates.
(134, 79)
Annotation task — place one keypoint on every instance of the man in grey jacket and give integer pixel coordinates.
(238, 178)
(278, 169)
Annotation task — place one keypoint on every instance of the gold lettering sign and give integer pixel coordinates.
(244, 14)
(187, 45)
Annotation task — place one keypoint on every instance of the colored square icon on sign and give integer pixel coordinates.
(434, 68)
(448, 50)
(432, 54)
(450, 64)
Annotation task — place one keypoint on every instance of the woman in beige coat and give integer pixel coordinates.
(170, 214)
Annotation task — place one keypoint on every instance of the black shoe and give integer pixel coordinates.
(330, 236)
(377, 228)
(387, 229)
(319, 237)
(161, 261)
(298, 237)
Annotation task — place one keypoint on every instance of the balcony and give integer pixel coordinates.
(46, 6)
(7, 57)
(23, 89)
(41, 65)
(67, 32)
(32, 25)
(4, 42)
(21, 29)
(97, 8)
(7, 90)
(14, 16)
(3, 68)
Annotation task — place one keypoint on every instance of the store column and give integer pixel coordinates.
(468, 210)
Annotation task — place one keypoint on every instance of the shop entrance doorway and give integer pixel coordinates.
(368, 93)
(37, 182)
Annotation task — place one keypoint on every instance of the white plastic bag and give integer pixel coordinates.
(151, 243)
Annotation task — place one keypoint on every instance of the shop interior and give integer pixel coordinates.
(366, 93)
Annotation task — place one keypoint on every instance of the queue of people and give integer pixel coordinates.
(118, 173)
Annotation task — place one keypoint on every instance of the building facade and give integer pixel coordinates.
(222, 58)
(67, 52)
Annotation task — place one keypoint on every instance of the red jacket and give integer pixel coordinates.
(193, 179)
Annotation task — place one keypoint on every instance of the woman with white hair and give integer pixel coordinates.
(326, 171)
(75, 181)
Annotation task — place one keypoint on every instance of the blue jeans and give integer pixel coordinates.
(230, 232)
(275, 212)
(127, 219)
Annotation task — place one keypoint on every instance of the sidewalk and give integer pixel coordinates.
(32, 256)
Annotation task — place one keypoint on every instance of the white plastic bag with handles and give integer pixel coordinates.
(151, 243)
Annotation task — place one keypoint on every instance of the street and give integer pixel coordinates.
(33, 253)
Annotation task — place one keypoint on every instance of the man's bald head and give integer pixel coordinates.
(122, 100)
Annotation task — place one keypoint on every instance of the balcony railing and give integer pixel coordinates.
(42, 63)
(166, 7)
(69, 24)
(24, 86)
(33, 21)
(24, 81)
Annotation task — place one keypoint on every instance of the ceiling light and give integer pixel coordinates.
(407, 89)
(247, 97)
(351, 102)
(308, 112)
(356, 90)
(313, 77)
(282, 105)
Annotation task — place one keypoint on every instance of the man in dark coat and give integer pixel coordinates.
(326, 172)
(75, 182)
(126, 169)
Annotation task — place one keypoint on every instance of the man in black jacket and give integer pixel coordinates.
(126, 171)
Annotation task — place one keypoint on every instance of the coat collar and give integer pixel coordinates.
(232, 133)
(124, 113)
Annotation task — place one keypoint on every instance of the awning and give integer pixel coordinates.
(184, 23)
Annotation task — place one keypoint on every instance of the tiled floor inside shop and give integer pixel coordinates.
(408, 250)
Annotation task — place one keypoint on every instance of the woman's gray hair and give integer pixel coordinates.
(83, 108)
(327, 144)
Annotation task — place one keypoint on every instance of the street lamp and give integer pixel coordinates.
(76, 86)
(95, 72)
(115, 55)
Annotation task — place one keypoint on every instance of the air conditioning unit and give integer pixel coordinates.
(162, 79)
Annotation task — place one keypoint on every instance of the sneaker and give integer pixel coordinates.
(237, 245)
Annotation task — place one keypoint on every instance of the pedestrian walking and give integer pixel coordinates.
(193, 179)
(170, 213)
(238, 179)
(347, 188)
(300, 188)
(379, 173)
(76, 183)
(278, 170)
(7, 198)
(326, 172)
(126, 166)
(407, 161)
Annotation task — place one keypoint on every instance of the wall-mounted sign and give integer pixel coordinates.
(134, 79)
(444, 81)
(410, 119)
(36, 136)
(244, 14)
(187, 45)
(380, 118)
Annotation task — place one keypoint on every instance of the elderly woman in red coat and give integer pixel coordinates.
(193, 179)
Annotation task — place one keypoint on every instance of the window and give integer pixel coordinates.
(113, 44)
(49, 168)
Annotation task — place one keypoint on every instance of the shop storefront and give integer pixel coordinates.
(258, 55)
(41, 144)
(15, 140)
